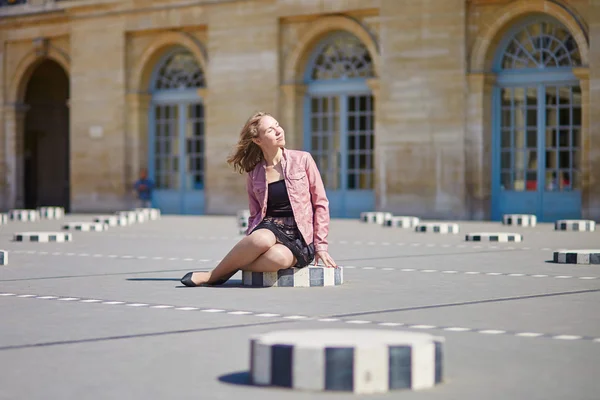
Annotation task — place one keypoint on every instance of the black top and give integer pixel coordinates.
(278, 202)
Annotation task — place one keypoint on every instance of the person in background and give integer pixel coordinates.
(143, 188)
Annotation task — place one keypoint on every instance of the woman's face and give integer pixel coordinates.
(270, 133)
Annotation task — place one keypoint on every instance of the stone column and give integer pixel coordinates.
(138, 105)
(586, 149)
(478, 145)
(379, 164)
(291, 114)
(14, 160)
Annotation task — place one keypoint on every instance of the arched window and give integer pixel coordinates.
(538, 126)
(179, 70)
(177, 134)
(340, 121)
(342, 57)
(541, 44)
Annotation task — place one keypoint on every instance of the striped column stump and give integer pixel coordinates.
(350, 360)
(578, 225)
(577, 256)
(295, 277)
(3, 219)
(43, 237)
(85, 226)
(3, 257)
(493, 237)
(375, 217)
(151, 214)
(130, 216)
(437, 227)
(51, 212)
(401, 222)
(112, 220)
(24, 215)
(519, 219)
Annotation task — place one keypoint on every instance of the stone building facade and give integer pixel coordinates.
(434, 108)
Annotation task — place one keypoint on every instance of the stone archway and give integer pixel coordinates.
(46, 137)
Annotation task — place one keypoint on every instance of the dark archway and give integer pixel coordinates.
(47, 137)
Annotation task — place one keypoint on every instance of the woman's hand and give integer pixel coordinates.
(326, 258)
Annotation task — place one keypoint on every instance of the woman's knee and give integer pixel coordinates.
(281, 255)
(263, 239)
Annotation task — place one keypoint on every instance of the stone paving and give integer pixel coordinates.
(104, 316)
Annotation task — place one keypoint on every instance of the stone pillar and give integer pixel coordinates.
(592, 115)
(98, 107)
(422, 106)
(13, 193)
(239, 34)
(379, 164)
(587, 150)
(478, 145)
(291, 114)
(138, 105)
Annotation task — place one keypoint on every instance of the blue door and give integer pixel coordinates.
(536, 158)
(339, 123)
(176, 139)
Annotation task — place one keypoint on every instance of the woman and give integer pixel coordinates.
(289, 210)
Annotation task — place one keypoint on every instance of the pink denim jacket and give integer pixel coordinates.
(305, 190)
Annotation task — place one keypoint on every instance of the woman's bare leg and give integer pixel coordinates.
(276, 258)
(243, 253)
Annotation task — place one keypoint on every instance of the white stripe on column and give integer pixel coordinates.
(328, 276)
(270, 279)
(262, 364)
(308, 368)
(301, 277)
(423, 365)
(247, 278)
(371, 369)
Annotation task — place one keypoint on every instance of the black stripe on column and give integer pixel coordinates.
(571, 258)
(555, 256)
(594, 258)
(316, 277)
(439, 368)
(337, 276)
(400, 367)
(494, 238)
(281, 365)
(257, 279)
(339, 368)
(285, 277)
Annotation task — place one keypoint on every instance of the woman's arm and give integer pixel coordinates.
(320, 204)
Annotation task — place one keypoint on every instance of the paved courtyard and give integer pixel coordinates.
(105, 316)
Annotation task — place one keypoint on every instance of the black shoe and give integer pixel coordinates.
(187, 280)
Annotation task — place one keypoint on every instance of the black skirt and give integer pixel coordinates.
(287, 233)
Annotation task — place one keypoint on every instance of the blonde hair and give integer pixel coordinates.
(247, 154)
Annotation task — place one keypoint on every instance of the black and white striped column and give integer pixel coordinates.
(24, 215)
(243, 219)
(349, 360)
(577, 256)
(401, 222)
(3, 219)
(85, 226)
(51, 212)
(519, 219)
(151, 214)
(3, 257)
(114, 220)
(437, 227)
(578, 225)
(295, 277)
(494, 237)
(375, 217)
(43, 237)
